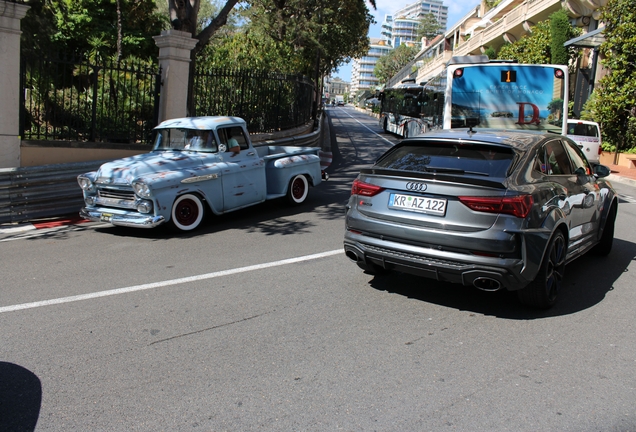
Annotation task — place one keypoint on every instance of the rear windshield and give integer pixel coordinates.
(485, 160)
(582, 129)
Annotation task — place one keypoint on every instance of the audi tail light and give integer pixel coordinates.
(518, 206)
(365, 189)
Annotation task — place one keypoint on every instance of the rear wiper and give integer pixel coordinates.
(454, 171)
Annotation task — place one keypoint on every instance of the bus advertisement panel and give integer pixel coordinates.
(507, 96)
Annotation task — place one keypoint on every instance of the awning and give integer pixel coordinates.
(589, 40)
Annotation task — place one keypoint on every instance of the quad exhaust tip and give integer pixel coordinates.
(352, 255)
(487, 284)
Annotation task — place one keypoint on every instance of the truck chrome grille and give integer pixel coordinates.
(116, 198)
(117, 194)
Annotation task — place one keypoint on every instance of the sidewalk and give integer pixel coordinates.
(621, 174)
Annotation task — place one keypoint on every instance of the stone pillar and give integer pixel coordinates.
(10, 16)
(174, 59)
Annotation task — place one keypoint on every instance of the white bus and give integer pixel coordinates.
(473, 91)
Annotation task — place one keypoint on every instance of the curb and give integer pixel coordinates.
(42, 224)
(620, 179)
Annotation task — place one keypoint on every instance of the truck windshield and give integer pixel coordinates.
(186, 139)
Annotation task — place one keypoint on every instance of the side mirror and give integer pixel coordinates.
(601, 171)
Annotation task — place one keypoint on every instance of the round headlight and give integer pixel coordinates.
(144, 207)
(85, 183)
(141, 189)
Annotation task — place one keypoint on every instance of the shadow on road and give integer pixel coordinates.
(20, 398)
(588, 281)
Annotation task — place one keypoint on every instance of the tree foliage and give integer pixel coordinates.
(491, 53)
(86, 27)
(545, 44)
(533, 48)
(309, 35)
(390, 64)
(429, 27)
(560, 32)
(614, 104)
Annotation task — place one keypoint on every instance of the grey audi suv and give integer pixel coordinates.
(488, 208)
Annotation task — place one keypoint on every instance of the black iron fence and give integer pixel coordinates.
(268, 102)
(69, 100)
(66, 99)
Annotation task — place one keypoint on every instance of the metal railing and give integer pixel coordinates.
(80, 100)
(51, 190)
(267, 101)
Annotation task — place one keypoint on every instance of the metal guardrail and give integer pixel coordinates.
(30, 193)
(309, 140)
(43, 191)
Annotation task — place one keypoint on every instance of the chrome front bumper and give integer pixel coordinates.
(135, 220)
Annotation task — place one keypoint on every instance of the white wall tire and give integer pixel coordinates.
(187, 212)
(298, 189)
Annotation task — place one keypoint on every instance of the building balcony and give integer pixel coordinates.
(509, 27)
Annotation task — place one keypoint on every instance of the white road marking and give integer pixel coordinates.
(372, 131)
(167, 282)
(9, 229)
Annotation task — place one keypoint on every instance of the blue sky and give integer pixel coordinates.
(457, 9)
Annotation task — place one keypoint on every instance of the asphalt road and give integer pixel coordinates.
(259, 322)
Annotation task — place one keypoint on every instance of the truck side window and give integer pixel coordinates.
(235, 133)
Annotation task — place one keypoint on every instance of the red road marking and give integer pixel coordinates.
(59, 222)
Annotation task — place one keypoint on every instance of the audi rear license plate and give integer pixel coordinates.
(435, 206)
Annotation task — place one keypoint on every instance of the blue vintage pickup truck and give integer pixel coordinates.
(197, 164)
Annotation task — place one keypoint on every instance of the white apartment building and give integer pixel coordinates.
(401, 27)
(397, 31)
(362, 77)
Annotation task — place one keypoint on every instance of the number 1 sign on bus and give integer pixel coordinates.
(473, 91)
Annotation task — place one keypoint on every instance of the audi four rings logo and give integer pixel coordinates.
(417, 187)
